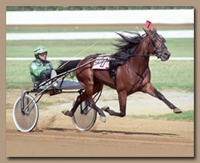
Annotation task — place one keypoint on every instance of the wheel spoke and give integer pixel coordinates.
(25, 122)
(84, 121)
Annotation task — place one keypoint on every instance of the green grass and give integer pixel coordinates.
(181, 47)
(184, 116)
(174, 75)
(70, 48)
(67, 48)
(17, 74)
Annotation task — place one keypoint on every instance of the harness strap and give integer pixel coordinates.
(142, 76)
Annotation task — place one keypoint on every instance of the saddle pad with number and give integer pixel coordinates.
(102, 62)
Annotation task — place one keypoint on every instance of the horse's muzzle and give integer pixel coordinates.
(164, 57)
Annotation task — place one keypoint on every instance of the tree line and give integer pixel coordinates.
(60, 8)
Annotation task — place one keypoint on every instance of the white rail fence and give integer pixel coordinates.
(99, 17)
(90, 35)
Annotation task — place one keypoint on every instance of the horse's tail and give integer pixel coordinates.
(66, 66)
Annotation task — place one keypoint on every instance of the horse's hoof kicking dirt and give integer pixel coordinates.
(67, 112)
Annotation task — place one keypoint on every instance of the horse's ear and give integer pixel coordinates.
(154, 29)
(146, 31)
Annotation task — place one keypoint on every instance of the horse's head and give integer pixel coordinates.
(156, 45)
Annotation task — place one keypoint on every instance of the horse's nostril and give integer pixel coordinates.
(166, 55)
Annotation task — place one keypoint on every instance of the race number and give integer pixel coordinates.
(102, 62)
(33, 67)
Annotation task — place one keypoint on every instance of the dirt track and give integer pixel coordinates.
(56, 136)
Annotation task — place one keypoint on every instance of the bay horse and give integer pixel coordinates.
(134, 75)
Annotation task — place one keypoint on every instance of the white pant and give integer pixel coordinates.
(67, 84)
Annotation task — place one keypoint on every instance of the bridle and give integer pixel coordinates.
(157, 50)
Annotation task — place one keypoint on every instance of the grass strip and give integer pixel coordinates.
(184, 116)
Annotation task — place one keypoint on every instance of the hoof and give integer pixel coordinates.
(103, 119)
(177, 111)
(105, 108)
(67, 112)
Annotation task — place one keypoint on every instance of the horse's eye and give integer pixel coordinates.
(163, 46)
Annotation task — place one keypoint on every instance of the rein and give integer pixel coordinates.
(81, 52)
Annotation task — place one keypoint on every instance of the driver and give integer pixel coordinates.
(41, 69)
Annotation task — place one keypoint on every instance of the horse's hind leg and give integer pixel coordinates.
(150, 89)
(97, 87)
(122, 97)
(90, 90)
(82, 97)
(101, 113)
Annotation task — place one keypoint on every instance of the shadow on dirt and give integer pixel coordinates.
(115, 132)
(133, 133)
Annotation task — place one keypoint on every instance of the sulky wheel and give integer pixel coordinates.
(84, 117)
(25, 119)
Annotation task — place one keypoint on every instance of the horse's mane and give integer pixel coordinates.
(125, 49)
(128, 43)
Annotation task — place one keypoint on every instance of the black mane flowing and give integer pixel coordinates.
(125, 49)
(128, 44)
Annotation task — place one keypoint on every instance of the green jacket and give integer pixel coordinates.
(40, 71)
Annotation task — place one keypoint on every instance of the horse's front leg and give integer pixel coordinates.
(150, 89)
(122, 97)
